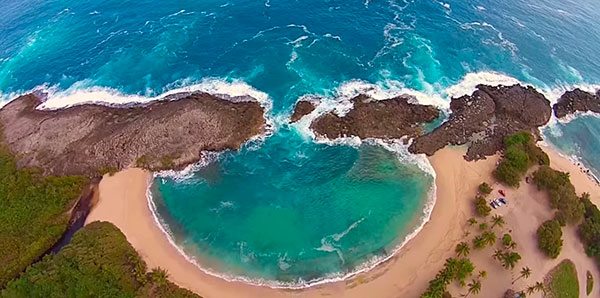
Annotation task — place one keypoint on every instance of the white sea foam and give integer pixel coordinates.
(84, 92)
(469, 83)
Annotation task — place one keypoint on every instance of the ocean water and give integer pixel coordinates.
(288, 209)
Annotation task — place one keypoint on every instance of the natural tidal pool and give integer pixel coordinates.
(291, 211)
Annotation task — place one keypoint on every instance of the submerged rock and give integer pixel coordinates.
(302, 108)
(577, 101)
(386, 119)
(90, 139)
(484, 118)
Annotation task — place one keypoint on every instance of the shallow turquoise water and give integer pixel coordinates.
(263, 212)
(294, 210)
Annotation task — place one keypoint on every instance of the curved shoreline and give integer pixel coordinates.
(125, 203)
(364, 267)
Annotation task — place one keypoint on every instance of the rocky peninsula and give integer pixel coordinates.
(577, 101)
(386, 119)
(91, 139)
(483, 119)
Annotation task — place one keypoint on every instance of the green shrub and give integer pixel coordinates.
(549, 236)
(99, 262)
(561, 194)
(481, 207)
(589, 229)
(33, 213)
(520, 153)
(484, 188)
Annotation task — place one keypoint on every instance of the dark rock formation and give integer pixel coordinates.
(483, 120)
(302, 109)
(387, 119)
(577, 101)
(90, 139)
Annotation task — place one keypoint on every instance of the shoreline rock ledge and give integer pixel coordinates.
(483, 119)
(577, 101)
(92, 139)
(385, 119)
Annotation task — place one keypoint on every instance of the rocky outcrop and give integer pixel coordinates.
(302, 108)
(90, 139)
(577, 101)
(483, 119)
(386, 119)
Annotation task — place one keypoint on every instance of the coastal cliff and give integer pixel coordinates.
(577, 101)
(483, 119)
(91, 139)
(387, 119)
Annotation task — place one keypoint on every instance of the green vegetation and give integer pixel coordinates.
(33, 213)
(561, 281)
(589, 229)
(485, 189)
(99, 262)
(107, 170)
(497, 220)
(519, 155)
(483, 226)
(482, 207)
(508, 259)
(549, 236)
(141, 162)
(507, 242)
(561, 193)
(471, 221)
(454, 270)
(589, 282)
(524, 273)
(462, 249)
(487, 238)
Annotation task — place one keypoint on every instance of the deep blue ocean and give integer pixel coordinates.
(288, 209)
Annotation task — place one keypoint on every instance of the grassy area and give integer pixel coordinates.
(589, 282)
(561, 281)
(33, 213)
(99, 262)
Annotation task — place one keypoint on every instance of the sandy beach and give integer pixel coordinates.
(123, 202)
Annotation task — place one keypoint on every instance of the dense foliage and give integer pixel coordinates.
(485, 188)
(454, 270)
(481, 207)
(520, 153)
(33, 213)
(549, 236)
(99, 262)
(589, 230)
(562, 281)
(561, 193)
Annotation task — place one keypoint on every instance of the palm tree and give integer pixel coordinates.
(540, 287)
(498, 255)
(510, 259)
(525, 272)
(478, 242)
(462, 249)
(482, 274)
(530, 290)
(474, 287)
(489, 238)
(497, 220)
(472, 221)
(159, 276)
